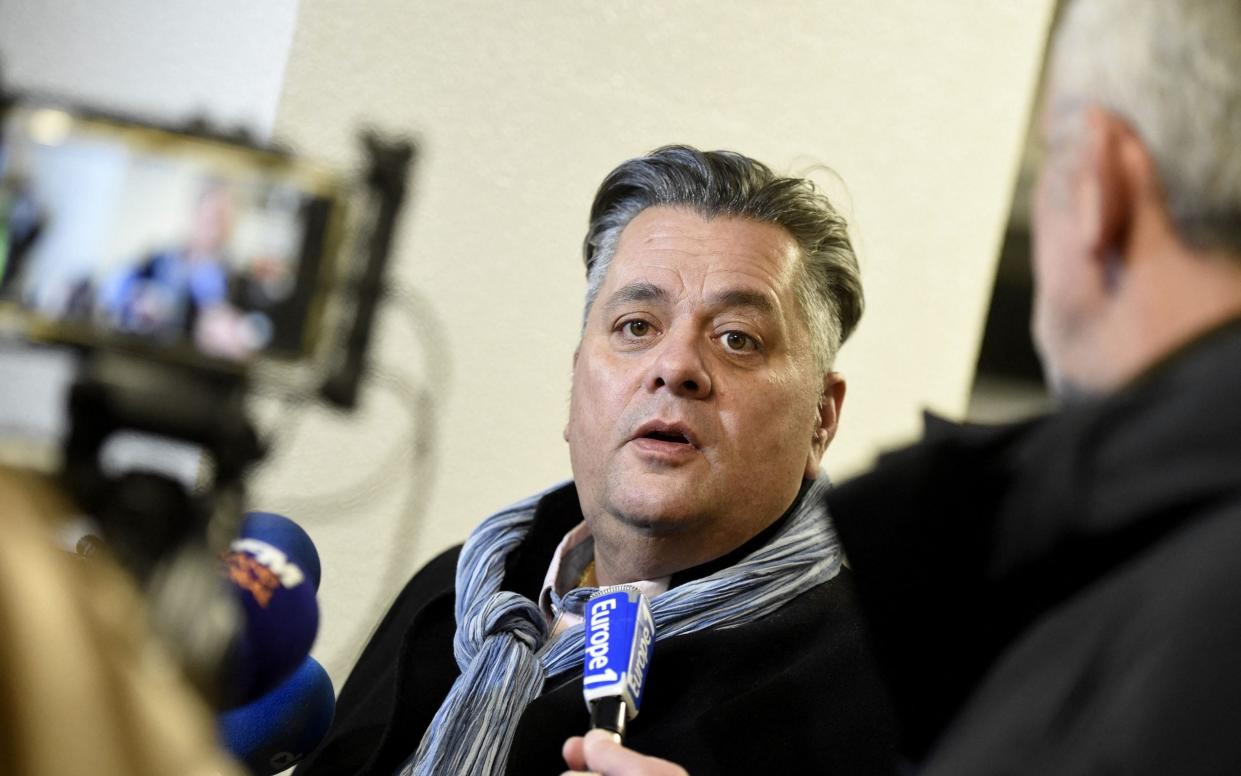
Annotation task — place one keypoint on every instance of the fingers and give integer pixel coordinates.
(598, 753)
(573, 755)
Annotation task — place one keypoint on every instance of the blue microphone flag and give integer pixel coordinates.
(620, 636)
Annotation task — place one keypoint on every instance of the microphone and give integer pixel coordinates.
(279, 531)
(273, 568)
(283, 726)
(620, 637)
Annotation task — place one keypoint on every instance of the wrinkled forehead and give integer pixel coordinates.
(684, 253)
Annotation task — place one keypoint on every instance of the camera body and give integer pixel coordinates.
(176, 262)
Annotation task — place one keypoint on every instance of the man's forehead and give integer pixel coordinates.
(678, 250)
(727, 291)
(663, 228)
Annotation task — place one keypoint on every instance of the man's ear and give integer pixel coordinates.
(830, 402)
(1115, 171)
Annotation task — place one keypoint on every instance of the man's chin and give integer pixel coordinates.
(657, 511)
(1064, 388)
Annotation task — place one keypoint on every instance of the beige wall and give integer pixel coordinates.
(521, 108)
(165, 60)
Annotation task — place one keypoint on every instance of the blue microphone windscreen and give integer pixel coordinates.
(281, 618)
(286, 535)
(283, 726)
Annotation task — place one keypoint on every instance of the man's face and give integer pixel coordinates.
(213, 223)
(695, 393)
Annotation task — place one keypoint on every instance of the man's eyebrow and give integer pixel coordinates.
(638, 291)
(740, 297)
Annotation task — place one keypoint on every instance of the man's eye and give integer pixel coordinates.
(636, 328)
(738, 342)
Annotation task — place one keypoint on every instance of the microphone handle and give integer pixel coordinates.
(610, 714)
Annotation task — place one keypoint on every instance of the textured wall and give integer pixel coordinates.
(521, 109)
(163, 59)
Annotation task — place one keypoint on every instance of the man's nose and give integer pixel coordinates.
(679, 365)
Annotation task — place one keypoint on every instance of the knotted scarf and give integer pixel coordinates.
(504, 653)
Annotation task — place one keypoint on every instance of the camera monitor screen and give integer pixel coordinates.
(117, 232)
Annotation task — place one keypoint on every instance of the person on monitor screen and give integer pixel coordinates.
(181, 295)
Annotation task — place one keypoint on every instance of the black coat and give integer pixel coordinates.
(1064, 596)
(795, 691)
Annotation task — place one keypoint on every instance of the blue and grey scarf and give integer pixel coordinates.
(502, 641)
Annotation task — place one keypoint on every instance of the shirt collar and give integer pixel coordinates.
(574, 553)
(577, 549)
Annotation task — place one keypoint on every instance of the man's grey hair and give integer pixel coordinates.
(1172, 70)
(828, 285)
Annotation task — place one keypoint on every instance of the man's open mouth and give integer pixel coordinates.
(667, 431)
(667, 436)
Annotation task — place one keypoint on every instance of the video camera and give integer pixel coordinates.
(182, 266)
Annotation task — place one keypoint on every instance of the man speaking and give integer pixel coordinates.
(703, 400)
(1084, 618)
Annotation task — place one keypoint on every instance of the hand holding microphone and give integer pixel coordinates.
(620, 638)
(599, 754)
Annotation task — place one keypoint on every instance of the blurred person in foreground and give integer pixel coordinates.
(84, 685)
(703, 399)
(1084, 611)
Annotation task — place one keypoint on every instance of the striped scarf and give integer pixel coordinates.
(502, 647)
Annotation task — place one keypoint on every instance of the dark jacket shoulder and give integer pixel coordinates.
(399, 680)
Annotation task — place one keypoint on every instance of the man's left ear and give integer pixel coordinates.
(1119, 170)
(832, 399)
